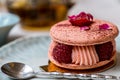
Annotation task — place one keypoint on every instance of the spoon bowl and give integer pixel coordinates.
(16, 70)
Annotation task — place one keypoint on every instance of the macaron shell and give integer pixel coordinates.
(64, 32)
(53, 68)
(77, 67)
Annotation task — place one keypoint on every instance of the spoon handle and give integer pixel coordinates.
(58, 75)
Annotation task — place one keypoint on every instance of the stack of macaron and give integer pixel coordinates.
(83, 42)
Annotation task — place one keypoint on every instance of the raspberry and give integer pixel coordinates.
(62, 53)
(82, 19)
(104, 51)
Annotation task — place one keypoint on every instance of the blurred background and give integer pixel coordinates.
(39, 13)
(36, 16)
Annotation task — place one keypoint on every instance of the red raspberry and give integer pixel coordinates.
(104, 51)
(62, 53)
(83, 19)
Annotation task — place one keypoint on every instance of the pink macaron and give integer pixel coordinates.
(83, 42)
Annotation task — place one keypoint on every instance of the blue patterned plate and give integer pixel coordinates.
(33, 51)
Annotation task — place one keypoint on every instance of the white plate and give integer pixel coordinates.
(34, 50)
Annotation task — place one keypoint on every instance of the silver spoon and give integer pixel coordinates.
(16, 70)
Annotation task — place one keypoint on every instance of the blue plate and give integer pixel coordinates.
(33, 51)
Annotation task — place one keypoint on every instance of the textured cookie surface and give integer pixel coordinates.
(64, 32)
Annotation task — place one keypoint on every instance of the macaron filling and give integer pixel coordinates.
(83, 55)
